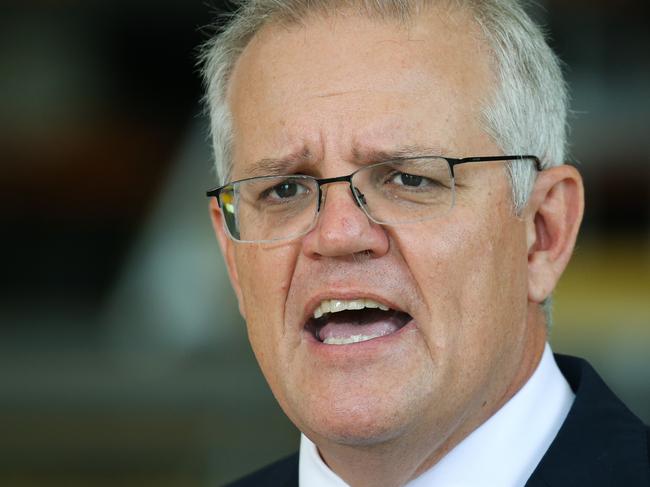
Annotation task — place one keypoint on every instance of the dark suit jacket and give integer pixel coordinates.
(600, 444)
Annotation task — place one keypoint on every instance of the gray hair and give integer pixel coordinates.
(525, 115)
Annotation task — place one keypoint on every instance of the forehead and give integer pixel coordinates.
(347, 84)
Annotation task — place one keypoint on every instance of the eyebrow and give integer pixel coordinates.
(279, 166)
(400, 152)
(299, 159)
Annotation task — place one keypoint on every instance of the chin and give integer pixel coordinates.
(362, 423)
(364, 435)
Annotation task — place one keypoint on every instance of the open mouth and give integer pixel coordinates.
(343, 322)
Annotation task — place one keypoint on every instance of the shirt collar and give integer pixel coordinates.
(502, 451)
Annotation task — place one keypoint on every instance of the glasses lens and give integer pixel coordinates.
(227, 198)
(407, 190)
(270, 208)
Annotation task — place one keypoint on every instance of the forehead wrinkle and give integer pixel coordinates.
(339, 93)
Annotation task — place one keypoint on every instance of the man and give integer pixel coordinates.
(396, 216)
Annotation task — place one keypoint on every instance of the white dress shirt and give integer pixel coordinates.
(503, 451)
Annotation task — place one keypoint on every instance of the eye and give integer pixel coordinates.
(285, 191)
(406, 179)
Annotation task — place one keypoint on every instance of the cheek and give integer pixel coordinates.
(264, 273)
(474, 279)
(264, 277)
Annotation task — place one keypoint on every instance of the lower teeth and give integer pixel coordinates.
(348, 340)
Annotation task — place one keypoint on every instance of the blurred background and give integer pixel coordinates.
(123, 360)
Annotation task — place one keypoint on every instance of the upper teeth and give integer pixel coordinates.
(336, 305)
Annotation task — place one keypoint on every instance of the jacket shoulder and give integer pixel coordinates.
(600, 443)
(283, 473)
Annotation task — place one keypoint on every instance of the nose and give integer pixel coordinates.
(343, 229)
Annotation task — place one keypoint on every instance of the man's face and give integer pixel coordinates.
(331, 93)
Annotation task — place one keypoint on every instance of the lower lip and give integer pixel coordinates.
(358, 349)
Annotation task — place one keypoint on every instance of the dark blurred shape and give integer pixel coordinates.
(97, 98)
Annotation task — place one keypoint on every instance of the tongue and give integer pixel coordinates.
(346, 325)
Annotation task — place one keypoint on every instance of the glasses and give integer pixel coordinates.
(405, 190)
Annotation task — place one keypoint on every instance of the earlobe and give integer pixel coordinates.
(227, 250)
(553, 218)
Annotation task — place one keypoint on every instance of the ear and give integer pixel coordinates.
(227, 249)
(553, 218)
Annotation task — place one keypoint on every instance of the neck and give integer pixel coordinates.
(389, 464)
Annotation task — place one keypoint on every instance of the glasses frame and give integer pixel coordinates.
(357, 196)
